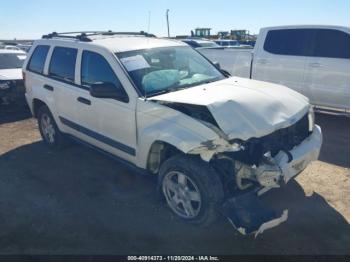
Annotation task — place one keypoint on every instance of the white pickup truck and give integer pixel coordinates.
(313, 60)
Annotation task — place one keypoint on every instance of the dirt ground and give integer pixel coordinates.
(77, 201)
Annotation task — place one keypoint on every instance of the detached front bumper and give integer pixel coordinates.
(247, 213)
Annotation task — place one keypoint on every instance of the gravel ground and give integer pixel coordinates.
(77, 201)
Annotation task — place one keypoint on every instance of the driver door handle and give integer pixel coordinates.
(84, 101)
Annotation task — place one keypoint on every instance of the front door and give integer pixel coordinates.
(106, 123)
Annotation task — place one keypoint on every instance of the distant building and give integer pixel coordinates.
(201, 32)
(223, 34)
(240, 34)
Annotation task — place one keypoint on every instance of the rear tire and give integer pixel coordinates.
(49, 131)
(192, 189)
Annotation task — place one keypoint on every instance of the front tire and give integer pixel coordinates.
(49, 131)
(192, 189)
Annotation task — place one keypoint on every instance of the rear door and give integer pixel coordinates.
(328, 69)
(61, 82)
(281, 58)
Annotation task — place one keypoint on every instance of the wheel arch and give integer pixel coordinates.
(37, 104)
(158, 153)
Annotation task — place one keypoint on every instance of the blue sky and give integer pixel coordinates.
(32, 18)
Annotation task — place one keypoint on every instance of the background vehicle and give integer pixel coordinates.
(227, 43)
(164, 109)
(11, 81)
(313, 60)
(202, 44)
(9, 47)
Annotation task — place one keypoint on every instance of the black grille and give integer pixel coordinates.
(283, 139)
(287, 138)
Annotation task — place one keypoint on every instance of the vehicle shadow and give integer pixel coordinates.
(13, 113)
(336, 139)
(78, 201)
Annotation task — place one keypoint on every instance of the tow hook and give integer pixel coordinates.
(249, 215)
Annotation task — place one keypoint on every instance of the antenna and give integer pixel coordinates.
(149, 21)
(167, 21)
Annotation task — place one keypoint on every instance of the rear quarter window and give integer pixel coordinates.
(62, 65)
(330, 43)
(37, 61)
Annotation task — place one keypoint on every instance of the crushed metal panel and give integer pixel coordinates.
(249, 215)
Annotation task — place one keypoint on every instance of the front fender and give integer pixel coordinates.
(160, 123)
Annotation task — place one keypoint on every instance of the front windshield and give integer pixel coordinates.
(10, 61)
(166, 69)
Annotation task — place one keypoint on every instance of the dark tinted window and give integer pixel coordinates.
(62, 65)
(37, 61)
(96, 69)
(294, 42)
(332, 44)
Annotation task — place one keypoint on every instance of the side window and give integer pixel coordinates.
(96, 69)
(332, 44)
(62, 65)
(38, 58)
(293, 42)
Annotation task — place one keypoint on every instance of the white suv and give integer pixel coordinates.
(215, 142)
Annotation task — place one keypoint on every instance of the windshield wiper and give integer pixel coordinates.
(174, 88)
(169, 89)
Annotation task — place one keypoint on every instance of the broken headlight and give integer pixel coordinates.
(311, 118)
(4, 85)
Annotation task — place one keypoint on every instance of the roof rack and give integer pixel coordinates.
(84, 35)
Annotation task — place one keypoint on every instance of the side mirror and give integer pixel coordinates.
(217, 65)
(108, 90)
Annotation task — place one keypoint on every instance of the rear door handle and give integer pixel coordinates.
(84, 101)
(47, 87)
(262, 61)
(315, 65)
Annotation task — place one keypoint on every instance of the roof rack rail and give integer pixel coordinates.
(84, 35)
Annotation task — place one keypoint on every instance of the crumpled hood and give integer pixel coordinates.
(245, 108)
(11, 74)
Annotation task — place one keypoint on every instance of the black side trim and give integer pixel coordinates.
(99, 137)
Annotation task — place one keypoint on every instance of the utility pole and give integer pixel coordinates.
(167, 21)
(149, 22)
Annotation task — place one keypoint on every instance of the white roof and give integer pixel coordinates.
(129, 43)
(305, 26)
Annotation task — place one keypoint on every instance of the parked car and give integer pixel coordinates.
(227, 43)
(215, 142)
(24, 47)
(9, 47)
(202, 44)
(313, 60)
(11, 81)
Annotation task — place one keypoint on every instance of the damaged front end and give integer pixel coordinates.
(253, 167)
